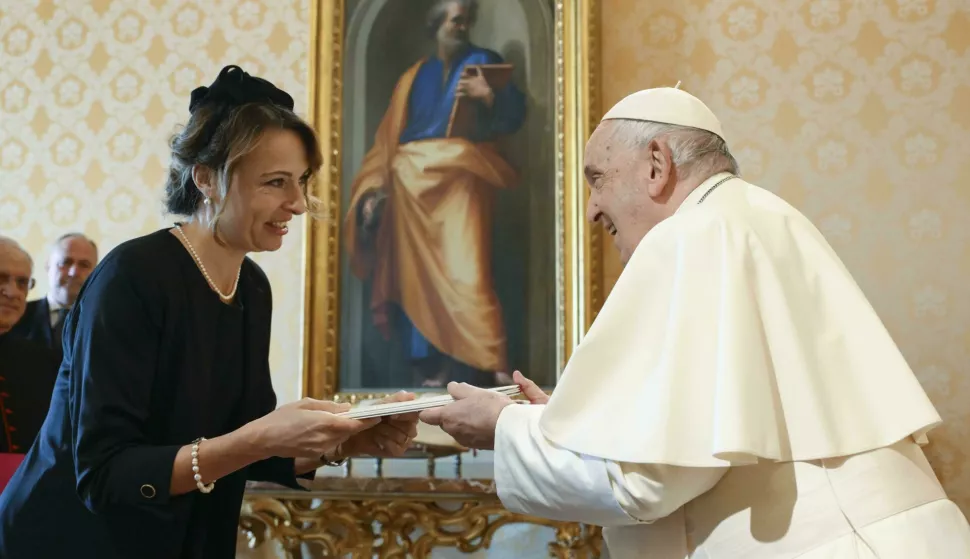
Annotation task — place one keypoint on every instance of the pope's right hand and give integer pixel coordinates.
(307, 428)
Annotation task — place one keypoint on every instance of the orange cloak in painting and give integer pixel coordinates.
(432, 250)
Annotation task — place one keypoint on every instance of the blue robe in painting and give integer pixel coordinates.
(429, 109)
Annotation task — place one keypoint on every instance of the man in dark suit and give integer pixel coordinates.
(27, 369)
(72, 259)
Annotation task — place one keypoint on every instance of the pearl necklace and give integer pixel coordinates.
(225, 297)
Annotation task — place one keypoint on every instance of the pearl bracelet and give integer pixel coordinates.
(195, 468)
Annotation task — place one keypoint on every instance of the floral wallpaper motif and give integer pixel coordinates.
(91, 90)
(859, 114)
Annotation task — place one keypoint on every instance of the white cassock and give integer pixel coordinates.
(736, 397)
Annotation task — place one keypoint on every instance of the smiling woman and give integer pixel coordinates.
(269, 184)
(258, 148)
(163, 407)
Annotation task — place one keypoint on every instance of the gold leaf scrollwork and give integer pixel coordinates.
(397, 529)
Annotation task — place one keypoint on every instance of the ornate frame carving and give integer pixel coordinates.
(394, 519)
(579, 278)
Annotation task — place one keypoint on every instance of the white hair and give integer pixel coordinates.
(694, 151)
(439, 10)
(74, 235)
(7, 241)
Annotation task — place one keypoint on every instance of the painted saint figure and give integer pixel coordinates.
(419, 224)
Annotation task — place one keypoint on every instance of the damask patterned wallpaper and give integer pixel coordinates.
(859, 114)
(91, 90)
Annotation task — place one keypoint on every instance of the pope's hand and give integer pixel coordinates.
(471, 419)
(388, 439)
(530, 389)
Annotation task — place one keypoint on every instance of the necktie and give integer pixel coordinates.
(57, 330)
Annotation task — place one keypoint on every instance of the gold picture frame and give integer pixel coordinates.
(579, 286)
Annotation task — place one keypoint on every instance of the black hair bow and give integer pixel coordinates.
(234, 87)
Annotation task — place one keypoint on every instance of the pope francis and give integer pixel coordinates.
(737, 396)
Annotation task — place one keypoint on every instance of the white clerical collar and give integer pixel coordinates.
(703, 188)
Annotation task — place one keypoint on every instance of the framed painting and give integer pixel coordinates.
(456, 246)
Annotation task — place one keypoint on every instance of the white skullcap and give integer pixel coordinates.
(667, 105)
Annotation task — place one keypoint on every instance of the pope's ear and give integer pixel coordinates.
(660, 163)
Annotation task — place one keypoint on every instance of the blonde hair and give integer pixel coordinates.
(218, 137)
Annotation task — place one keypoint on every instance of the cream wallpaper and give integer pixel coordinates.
(89, 96)
(91, 90)
(859, 114)
(856, 111)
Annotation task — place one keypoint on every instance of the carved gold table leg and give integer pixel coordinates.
(396, 528)
(576, 541)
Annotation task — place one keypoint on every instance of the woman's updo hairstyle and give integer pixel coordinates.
(227, 119)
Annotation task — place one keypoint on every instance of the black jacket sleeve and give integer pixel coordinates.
(116, 342)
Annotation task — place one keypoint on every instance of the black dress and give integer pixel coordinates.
(152, 360)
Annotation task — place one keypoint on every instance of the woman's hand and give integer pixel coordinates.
(390, 438)
(306, 429)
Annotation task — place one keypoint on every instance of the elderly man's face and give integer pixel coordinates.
(70, 264)
(618, 177)
(453, 32)
(15, 282)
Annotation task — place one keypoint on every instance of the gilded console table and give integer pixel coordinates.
(393, 518)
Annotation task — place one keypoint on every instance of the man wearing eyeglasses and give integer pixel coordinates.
(27, 369)
(72, 259)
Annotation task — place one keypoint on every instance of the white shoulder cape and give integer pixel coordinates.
(735, 333)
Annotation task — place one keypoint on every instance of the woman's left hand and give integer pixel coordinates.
(388, 439)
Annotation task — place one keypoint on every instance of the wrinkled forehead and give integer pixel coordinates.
(603, 147)
(455, 9)
(13, 259)
(74, 246)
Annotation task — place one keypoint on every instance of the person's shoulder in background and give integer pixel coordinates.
(145, 264)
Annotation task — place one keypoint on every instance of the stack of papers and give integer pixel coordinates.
(414, 406)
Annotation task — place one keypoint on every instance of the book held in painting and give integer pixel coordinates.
(461, 124)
